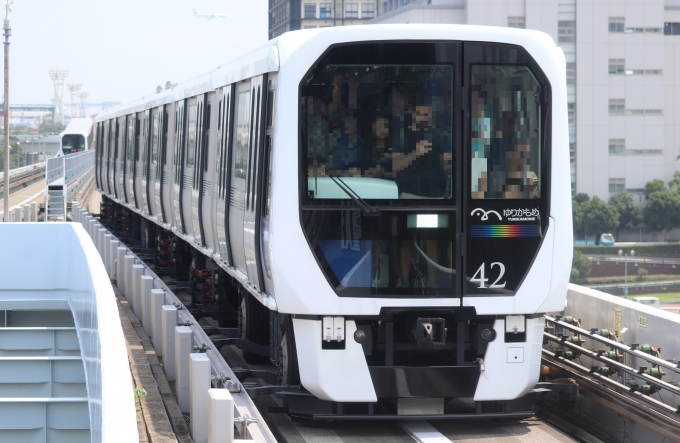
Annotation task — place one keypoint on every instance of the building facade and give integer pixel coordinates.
(291, 15)
(623, 75)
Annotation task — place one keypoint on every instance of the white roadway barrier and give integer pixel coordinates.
(81, 284)
(162, 297)
(220, 416)
(168, 324)
(182, 352)
(199, 383)
(146, 285)
(137, 272)
(113, 249)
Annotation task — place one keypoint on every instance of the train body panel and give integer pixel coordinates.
(320, 203)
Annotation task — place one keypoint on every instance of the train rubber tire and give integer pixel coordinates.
(289, 372)
(254, 326)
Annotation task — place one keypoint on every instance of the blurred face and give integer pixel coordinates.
(381, 128)
(422, 118)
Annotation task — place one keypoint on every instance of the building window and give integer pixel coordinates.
(617, 146)
(517, 22)
(325, 10)
(309, 27)
(617, 185)
(571, 111)
(566, 31)
(310, 10)
(351, 10)
(616, 24)
(617, 66)
(367, 10)
(671, 28)
(653, 72)
(571, 73)
(617, 106)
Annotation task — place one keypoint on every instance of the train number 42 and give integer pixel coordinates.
(480, 279)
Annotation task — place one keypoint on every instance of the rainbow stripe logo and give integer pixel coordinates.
(504, 231)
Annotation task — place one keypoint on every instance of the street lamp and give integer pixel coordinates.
(625, 285)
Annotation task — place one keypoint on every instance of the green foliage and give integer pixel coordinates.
(581, 197)
(580, 266)
(48, 126)
(674, 184)
(16, 153)
(629, 214)
(576, 216)
(599, 217)
(655, 185)
(641, 273)
(662, 211)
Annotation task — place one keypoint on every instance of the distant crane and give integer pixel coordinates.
(209, 15)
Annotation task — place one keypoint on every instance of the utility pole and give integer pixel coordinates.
(8, 32)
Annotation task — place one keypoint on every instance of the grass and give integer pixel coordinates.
(631, 278)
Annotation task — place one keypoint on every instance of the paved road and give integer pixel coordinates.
(36, 190)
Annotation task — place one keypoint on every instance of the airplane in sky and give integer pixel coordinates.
(209, 15)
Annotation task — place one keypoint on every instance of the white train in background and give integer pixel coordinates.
(77, 137)
(382, 211)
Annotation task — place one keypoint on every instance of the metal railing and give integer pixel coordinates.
(635, 260)
(64, 177)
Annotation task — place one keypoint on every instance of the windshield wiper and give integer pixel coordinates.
(360, 202)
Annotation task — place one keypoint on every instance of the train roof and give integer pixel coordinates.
(81, 126)
(305, 46)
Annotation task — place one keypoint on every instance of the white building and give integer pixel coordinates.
(623, 74)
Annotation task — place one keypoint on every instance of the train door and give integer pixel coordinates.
(252, 212)
(209, 151)
(223, 176)
(153, 181)
(143, 162)
(188, 165)
(120, 155)
(237, 189)
(130, 159)
(178, 162)
(265, 188)
(161, 180)
(197, 177)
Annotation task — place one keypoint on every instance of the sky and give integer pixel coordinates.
(120, 50)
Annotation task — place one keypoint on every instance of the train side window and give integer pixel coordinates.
(220, 136)
(206, 137)
(225, 143)
(191, 136)
(256, 153)
(249, 175)
(266, 198)
(241, 136)
(164, 145)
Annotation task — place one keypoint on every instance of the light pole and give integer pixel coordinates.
(625, 285)
(8, 32)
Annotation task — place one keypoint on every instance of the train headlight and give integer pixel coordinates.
(360, 336)
(489, 334)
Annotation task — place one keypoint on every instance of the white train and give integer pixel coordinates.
(386, 208)
(77, 137)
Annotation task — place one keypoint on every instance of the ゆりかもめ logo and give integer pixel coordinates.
(485, 214)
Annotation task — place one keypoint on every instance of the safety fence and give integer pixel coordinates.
(22, 175)
(64, 177)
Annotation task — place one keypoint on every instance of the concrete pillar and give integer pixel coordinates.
(183, 345)
(199, 383)
(113, 250)
(17, 214)
(34, 211)
(27, 212)
(128, 262)
(145, 302)
(90, 226)
(107, 254)
(220, 416)
(157, 301)
(120, 268)
(137, 272)
(101, 243)
(168, 324)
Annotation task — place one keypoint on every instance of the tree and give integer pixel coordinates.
(674, 184)
(581, 197)
(629, 214)
(580, 266)
(577, 216)
(48, 126)
(662, 211)
(655, 185)
(599, 217)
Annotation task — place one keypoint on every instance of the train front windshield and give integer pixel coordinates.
(72, 143)
(382, 161)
